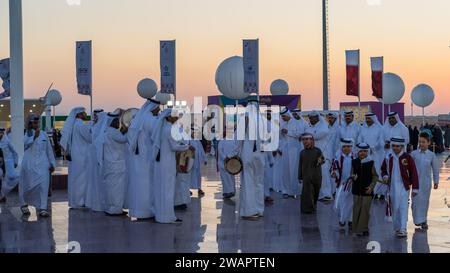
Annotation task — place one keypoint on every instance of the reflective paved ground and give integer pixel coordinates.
(212, 225)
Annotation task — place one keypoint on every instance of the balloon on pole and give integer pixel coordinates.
(147, 88)
(393, 88)
(279, 88)
(422, 96)
(230, 78)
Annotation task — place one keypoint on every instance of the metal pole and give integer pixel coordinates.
(423, 116)
(359, 85)
(325, 54)
(16, 66)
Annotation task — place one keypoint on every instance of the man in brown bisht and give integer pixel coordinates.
(310, 173)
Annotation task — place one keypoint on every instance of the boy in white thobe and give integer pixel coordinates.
(427, 166)
(399, 170)
(341, 172)
(37, 165)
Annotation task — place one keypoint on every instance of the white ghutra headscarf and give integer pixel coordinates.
(67, 131)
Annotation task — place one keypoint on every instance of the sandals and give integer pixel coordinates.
(25, 210)
(44, 213)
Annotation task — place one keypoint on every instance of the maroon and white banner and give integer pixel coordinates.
(377, 76)
(251, 66)
(4, 75)
(352, 61)
(168, 67)
(84, 67)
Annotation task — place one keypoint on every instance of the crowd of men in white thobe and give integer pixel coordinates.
(114, 169)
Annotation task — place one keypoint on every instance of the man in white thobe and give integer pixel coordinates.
(140, 192)
(333, 146)
(183, 180)
(251, 197)
(394, 127)
(290, 133)
(94, 197)
(349, 127)
(76, 139)
(225, 147)
(37, 165)
(318, 128)
(114, 167)
(165, 148)
(372, 134)
(200, 159)
(9, 178)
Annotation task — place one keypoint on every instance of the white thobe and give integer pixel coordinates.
(351, 131)
(399, 197)
(165, 176)
(291, 154)
(225, 147)
(35, 174)
(251, 197)
(114, 171)
(268, 173)
(374, 137)
(200, 159)
(140, 196)
(427, 166)
(183, 184)
(344, 197)
(94, 198)
(10, 159)
(320, 132)
(398, 130)
(79, 166)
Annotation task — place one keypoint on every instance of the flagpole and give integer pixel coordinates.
(16, 70)
(359, 84)
(90, 104)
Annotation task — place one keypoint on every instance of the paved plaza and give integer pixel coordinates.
(212, 225)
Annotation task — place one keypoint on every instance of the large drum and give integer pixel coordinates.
(185, 161)
(233, 165)
(126, 117)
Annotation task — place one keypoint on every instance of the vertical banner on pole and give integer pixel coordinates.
(352, 62)
(168, 67)
(251, 66)
(377, 76)
(4, 75)
(84, 67)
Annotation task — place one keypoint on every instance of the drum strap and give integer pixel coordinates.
(158, 157)
(137, 149)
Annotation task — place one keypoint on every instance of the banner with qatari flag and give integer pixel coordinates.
(251, 66)
(168, 67)
(377, 76)
(352, 61)
(4, 75)
(84, 67)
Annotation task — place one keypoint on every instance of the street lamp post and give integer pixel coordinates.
(16, 75)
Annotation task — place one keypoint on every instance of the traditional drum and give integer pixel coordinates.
(126, 118)
(185, 161)
(233, 165)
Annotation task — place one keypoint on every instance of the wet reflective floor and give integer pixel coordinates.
(212, 225)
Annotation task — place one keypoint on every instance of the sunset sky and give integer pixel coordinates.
(413, 35)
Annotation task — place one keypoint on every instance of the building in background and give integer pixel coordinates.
(375, 107)
(32, 106)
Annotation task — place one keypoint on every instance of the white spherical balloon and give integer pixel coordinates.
(53, 98)
(393, 88)
(230, 78)
(422, 95)
(279, 87)
(147, 88)
(164, 98)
